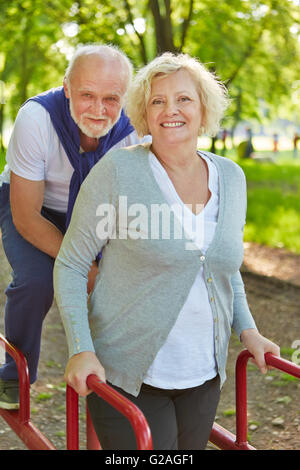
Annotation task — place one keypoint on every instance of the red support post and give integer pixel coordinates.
(241, 390)
(19, 420)
(72, 418)
(21, 363)
(241, 399)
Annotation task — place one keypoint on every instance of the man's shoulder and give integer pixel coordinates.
(34, 106)
(35, 112)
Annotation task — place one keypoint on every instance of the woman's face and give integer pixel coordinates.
(173, 111)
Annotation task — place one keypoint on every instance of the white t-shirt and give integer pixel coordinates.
(187, 357)
(35, 153)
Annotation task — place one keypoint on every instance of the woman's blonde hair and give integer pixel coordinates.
(212, 93)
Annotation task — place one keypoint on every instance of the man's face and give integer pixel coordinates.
(96, 90)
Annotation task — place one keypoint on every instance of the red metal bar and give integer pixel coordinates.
(24, 411)
(241, 390)
(27, 432)
(19, 420)
(72, 419)
(241, 399)
(118, 401)
(224, 439)
(283, 365)
(73, 424)
(127, 408)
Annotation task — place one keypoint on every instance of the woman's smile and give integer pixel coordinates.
(172, 124)
(174, 105)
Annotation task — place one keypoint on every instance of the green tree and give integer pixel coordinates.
(252, 45)
(28, 30)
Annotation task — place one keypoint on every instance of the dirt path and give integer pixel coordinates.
(272, 262)
(273, 400)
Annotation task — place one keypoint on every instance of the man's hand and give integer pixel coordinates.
(79, 367)
(258, 346)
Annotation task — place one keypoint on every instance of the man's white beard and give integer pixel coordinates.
(94, 131)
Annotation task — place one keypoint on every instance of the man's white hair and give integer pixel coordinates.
(105, 52)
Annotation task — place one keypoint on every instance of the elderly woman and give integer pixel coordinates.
(158, 322)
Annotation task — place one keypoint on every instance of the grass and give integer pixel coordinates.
(273, 189)
(43, 397)
(273, 214)
(229, 412)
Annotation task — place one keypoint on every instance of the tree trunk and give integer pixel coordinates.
(163, 25)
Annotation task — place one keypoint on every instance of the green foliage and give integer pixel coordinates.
(251, 44)
(28, 31)
(2, 161)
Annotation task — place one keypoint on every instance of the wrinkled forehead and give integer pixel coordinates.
(103, 67)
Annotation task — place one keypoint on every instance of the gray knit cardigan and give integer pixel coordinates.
(143, 282)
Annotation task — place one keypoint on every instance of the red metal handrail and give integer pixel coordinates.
(115, 399)
(241, 389)
(127, 408)
(19, 420)
(223, 438)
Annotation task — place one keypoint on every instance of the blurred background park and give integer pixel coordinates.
(253, 46)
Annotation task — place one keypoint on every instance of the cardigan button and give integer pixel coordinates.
(202, 258)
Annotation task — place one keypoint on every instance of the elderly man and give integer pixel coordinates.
(57, 138)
